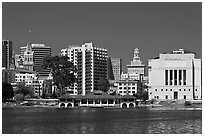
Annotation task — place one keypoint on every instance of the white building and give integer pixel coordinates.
(91, 66)
(127, 87)
(175, 75)
(30, 79)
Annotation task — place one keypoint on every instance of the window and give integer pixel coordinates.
(110, 101)
(184, 89)
(175, 77)
(125, 88)
(189, 89)
(84, 101)
(125, 91)
(166, 96)
(97, 101)
(133, 87)
(129, 91)
(104, 101)
(184, 77)
(184, 97)
(166, 77)
(179, 89)
(120, 88)
(170, 89)
(90, 101)
(166, 89)
(195, 89)
(171, 77)
(155, 89)
(133, 92)
(161, 89)
(120, 91)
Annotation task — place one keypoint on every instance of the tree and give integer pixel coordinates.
(103, 84)
(141, 93)
(62, 71)
(24, 90)
(7, 91)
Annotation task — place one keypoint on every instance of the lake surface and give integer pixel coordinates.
(99, 121)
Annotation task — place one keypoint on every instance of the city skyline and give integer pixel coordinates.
(153, 28)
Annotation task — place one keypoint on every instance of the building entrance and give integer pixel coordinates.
(175, 95)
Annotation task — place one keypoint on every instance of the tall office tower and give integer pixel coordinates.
(91, 65)
(40, 51)
(117, 68)
(110, 75)
(72, 52)
(7, 53)
(175, 75)
(136, 66)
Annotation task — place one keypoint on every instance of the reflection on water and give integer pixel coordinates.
(97, 121)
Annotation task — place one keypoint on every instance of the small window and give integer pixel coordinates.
(120, 88)
(189, 89)
(170, 89)
(120, 91)
(133, 92)
(179, 89)
(166, 96)
(155, 89)
(133, 87)
(195, 89)
(166, 89)
(161, 89)
(184, 89)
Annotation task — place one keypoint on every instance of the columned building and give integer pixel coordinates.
(91, 66)
(7, 53)
(175, 75)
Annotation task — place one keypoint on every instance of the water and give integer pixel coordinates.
(97, 121)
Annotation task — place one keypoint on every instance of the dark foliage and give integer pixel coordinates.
(62, 71)
(103, 84)
(7, 91)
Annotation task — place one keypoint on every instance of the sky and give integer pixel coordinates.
(120, 27)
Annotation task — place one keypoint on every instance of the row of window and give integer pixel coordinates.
(120, 88)
(133, 84)
(171, 89)
(124, 92)
(167, 97)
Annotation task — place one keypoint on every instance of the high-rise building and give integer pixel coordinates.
(72, 52)
(175, 75)
(7, 53)
(117, 68)
(91, 66)
(40, 51)
(136, 66)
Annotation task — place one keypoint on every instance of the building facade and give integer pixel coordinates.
(175, 75)
(91, 66)
(117, 68)
(7, 53)
(127, 87)
(40, 51)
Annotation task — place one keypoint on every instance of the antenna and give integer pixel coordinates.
(29, 36)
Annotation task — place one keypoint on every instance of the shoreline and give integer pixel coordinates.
(155, 108)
